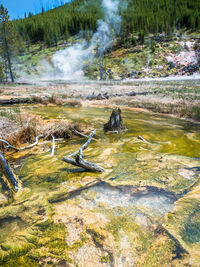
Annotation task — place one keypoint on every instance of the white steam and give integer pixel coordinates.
(111, 14)
(68, 64)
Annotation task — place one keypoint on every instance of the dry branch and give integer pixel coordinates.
(32, 145)
(83, 146)
(80, 162)
(145, 141)
(8, 145)
(53, 146)
(22, 148)
(78, 133)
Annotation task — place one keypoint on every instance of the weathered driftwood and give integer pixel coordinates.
(83, 146)
(4, 166)
(32, 145)
(77, 133)
(80, 162)
(115, 122)
(22, 148)
(7, 171)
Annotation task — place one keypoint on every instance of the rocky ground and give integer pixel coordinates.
(158, 56)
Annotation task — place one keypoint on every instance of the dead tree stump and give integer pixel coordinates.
(115, 122)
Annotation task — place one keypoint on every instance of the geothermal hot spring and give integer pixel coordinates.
(137, 193)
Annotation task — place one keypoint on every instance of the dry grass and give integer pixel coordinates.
(26, 131)
(39, 99)
(73, 103)
(180, 108)
(61, 129)
(59, 101)
(28, 127)
(56, 100)
(181, 98)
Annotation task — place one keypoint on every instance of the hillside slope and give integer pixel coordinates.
(142, 16)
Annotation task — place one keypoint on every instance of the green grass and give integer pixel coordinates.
(10, 113)
(121, 61)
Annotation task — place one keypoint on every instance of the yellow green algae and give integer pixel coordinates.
(138, 214)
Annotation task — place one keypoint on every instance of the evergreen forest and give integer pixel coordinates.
(140, 16)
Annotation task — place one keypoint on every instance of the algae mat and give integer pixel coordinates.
(143, 211)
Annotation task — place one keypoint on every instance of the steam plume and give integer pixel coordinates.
(68, 63)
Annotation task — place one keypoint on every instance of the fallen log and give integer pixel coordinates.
(98, 96)
(80, 162)
(12, 101)
(7, 171)
(87, 165)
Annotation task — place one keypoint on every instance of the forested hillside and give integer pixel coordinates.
(141, 16)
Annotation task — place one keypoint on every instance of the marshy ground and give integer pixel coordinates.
(178, 97)
(143, 211)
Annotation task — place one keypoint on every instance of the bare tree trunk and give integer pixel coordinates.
(8, 54)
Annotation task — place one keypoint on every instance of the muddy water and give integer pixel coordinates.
(142, 179)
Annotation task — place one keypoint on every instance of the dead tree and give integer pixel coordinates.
(115, 122)
(7, 172)
(80, 162)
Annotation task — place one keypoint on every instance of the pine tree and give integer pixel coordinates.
(8, 40)
(2, 75)
(143, 16)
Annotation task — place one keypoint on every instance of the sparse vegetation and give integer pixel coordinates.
(62, 216)
(27, 127)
